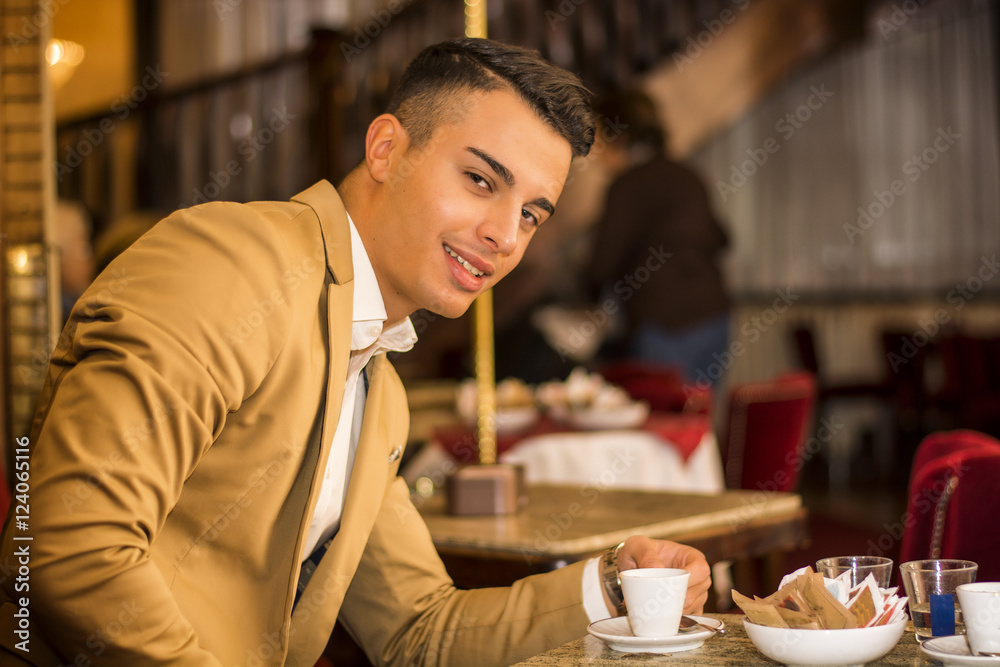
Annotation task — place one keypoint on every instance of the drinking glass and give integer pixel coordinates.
(930, 586)
(859, 567)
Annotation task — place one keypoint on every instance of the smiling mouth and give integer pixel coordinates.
(464, 262)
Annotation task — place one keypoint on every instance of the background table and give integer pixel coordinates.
(562, 524)
(637, 459)
(729, 650)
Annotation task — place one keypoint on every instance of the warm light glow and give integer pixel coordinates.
(20, 260)
(475, 18)
(60, 51)
(63, 57)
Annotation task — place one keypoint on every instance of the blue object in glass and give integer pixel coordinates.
(942, 614)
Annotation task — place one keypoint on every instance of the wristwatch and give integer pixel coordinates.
(611, 578)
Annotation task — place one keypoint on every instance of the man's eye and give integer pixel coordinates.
(529, 216)
(479, 180)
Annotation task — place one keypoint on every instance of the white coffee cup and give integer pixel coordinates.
(980, 603)
(654, 598)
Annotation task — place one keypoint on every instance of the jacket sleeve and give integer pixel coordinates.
(403, 608)
(139, 386)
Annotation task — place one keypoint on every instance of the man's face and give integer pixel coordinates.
(459, 211)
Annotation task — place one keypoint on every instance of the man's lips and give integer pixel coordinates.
(474, 266)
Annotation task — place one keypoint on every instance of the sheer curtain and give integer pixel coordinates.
(874, 174)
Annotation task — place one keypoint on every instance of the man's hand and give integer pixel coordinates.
(641, 551)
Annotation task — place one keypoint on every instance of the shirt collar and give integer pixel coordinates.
(369, 307)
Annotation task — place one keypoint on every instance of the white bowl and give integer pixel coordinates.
(826, 648)
(631, 415)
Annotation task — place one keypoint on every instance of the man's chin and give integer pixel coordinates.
(451, 310)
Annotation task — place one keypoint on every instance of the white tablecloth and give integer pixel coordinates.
(618, 459)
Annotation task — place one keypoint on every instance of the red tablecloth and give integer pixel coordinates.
(682, 431)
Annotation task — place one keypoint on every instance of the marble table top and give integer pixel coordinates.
(728, 650)
(576, 520)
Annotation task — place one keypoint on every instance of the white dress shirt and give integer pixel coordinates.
(367, 339)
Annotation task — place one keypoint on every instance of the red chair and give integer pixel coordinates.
(765, 432)
(951, 501)
(663, 387)
(943, 443)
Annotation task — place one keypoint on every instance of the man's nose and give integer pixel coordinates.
(499, 230)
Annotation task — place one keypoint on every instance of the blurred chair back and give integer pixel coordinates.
(663, 387)
(765, 432)
(942, 443)
(952, 500)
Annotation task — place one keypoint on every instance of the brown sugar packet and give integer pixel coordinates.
(833, 615)
(793, 607)
(799, 619)
(790, 595)
(759, 611)
(863, 607)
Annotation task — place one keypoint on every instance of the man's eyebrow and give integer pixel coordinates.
(544, 204)
(508, 178)
(501, 171)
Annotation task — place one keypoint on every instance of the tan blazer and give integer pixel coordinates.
(177, 454)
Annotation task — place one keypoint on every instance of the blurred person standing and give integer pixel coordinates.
(656, 249)
(76, 253)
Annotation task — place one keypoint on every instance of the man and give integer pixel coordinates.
(213, 471)
(656, 249)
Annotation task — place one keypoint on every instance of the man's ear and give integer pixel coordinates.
(385, 142)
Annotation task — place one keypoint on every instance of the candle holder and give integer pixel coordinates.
(487, 487)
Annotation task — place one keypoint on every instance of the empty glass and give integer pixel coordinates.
(859, 567)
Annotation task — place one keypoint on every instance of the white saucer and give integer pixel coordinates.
(617, 633)
(954, 650)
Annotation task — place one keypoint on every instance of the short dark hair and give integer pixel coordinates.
(428, 90)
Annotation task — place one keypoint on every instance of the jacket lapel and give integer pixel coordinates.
(325, 202)
(320, 603)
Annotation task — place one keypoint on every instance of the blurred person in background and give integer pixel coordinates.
(656, 249)
(74, 230)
